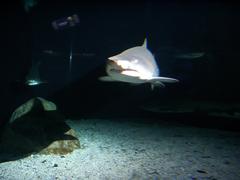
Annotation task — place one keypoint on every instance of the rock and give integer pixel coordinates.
(47, 105)
(37, 127)
(29, 105)
(62, 147)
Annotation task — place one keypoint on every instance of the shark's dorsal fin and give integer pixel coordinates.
(145, 43)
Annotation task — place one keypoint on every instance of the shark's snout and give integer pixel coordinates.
(112, 66)
(112, 58)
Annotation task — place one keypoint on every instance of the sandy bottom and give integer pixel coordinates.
(115, 149)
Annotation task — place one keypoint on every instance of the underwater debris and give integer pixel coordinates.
(66, 22)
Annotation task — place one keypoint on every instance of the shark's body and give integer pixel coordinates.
(136, 65)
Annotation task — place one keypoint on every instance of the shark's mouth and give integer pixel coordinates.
(113, 67)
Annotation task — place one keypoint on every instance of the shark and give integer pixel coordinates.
(193, 55)
(177, 53)
(135, 65)
(33, 77)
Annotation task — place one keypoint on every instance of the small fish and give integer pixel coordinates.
(194, 55)
(136, 65)
(33, 77)
(55, 53)
(177, 53)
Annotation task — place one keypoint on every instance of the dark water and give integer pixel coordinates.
(205, 99)
(107, 28)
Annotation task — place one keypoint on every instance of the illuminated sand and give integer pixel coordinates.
(117, 149)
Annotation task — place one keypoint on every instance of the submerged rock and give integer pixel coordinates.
(29, 105)
(37, 127)
(64, 146)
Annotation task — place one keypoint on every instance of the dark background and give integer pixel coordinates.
(107, 28)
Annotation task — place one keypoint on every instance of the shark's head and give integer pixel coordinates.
(137, 61)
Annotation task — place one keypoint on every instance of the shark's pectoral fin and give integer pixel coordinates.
(164, 79)
(106, 78)
(155, 82)
(159, 81)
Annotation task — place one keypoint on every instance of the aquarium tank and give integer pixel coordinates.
(120, 90)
